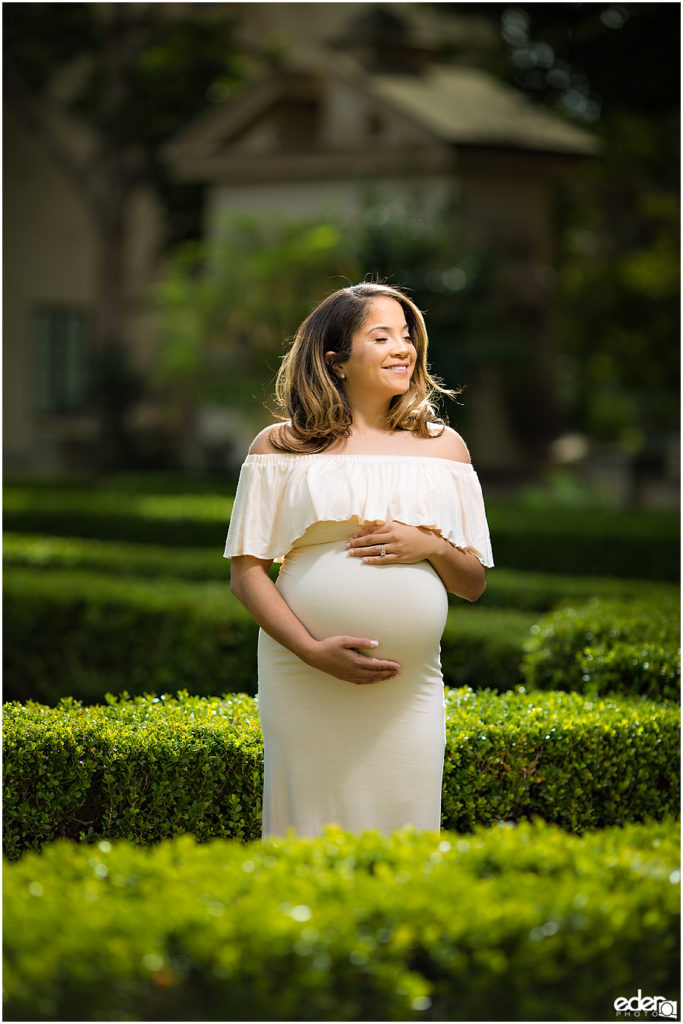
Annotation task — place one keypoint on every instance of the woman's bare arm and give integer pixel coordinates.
(461, 571)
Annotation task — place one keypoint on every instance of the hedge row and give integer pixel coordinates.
(506, 588)
(189, 520)
(114, 557)
(584, 542)
(81, 633)
(150, 768)
(518, 920)
(587, 541)
(607, 646)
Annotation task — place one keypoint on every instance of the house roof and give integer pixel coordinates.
(450, 106)
(466, 106)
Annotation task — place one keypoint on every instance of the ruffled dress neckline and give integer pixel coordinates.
(281, 494)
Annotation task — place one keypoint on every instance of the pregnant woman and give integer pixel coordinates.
(373, 507)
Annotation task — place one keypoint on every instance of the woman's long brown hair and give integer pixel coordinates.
(311, 395)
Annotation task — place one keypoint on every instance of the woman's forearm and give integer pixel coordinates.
(253, 587)
(460, 571)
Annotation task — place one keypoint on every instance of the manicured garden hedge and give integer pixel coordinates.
(572, 541)
(536, 591)
(586, 542)
(114, 557)
(149, 768)
(186, 520)
(517, 922)
(607, 646)
(505, 588)
(79, 633)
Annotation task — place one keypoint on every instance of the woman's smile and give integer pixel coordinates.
(382, 350)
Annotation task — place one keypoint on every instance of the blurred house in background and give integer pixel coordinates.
(367, 102)
(50, 296)
(354, 95)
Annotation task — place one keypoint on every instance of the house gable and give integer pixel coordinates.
(305, 122)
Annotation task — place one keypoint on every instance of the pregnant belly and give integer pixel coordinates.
(403, 607)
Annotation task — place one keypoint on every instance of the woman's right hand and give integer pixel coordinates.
(339, 657)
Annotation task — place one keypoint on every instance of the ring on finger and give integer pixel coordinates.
(382, 551)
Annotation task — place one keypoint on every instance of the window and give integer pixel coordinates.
(61, 374)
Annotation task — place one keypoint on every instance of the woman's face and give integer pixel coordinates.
(383, 354)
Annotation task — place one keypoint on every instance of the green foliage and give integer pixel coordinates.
(83, 633)
(581, 763)
(115, 558)
(620, 288)
(482, 647)
(203, 639)
(617, 220)
(142, 76)
(228, 305)
(416, 926)
(586, 542)
(188, 520)
(627, 647)
(505, 588)
(573, 541)
(526, 590)
(141, 768)
(147, 768)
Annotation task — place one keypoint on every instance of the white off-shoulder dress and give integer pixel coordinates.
(371, 756)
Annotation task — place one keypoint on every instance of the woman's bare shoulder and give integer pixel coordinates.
(262, 443)
(449, 445)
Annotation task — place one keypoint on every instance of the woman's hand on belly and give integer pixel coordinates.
(459, 570)
(401, 543)
(339, 656)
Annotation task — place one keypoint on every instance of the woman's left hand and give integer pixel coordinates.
(400, 543)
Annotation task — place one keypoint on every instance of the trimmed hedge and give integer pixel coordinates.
(586, 542)
(151, 767)
(483, 647)
(518, 919)
(607, 646)
(187, 520)
(505, 588)
(113, 557)
(535, 591)
(573, 541)
(80, 633)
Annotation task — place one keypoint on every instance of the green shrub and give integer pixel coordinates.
(583, 542)
(148, 768)
(82, 634)
(117, 558)
(79, 633)
(505, 588)
(520, 920)
(483, 647)
(187, 520)
(143, 768)
(571, 541)
(607, 646)
(535, 591)
(576, 762)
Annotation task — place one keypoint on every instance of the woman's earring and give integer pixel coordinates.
(342, 376)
